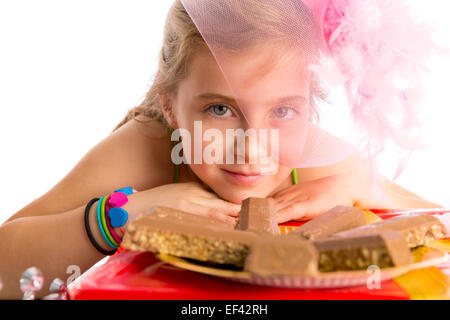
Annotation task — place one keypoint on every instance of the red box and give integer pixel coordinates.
(135, 275)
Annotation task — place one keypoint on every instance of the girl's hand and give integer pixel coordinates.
(190, 197)
(307, 200)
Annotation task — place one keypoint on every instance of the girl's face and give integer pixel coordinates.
(260, 97)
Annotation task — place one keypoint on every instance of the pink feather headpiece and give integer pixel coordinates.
(377, 51)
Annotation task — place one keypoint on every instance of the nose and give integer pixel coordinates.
(244, 149)
(250, 146)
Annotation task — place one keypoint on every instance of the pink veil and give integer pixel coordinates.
(373, 49)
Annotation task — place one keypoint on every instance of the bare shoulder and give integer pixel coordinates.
(137, 154)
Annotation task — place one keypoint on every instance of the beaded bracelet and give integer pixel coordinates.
(89, 232)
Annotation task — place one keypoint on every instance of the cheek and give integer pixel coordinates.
(185, 119)
(281, 174)
(204, 172)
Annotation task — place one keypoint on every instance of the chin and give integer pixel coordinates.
(236, 189)
(237, 196)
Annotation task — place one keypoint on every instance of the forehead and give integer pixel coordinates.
(253, 74)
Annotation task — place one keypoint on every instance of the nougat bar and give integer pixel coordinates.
(258, 215)
(418, 229)
(181, 234)
(290, 256)
(282, 256)
(337, 219)
(383, 249)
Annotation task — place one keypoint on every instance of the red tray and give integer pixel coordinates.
(135, 275)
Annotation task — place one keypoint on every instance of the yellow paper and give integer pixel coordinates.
(286, 229)
(371, 217)
(425, 284)
(443, 245)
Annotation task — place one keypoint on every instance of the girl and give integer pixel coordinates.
(190, 86)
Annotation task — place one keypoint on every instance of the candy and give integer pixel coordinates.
(338, 219)
(256, 246)
(290, 256)
(383, 249)
(182, 234)
(417, 229)
(258, 215)
(282, 256)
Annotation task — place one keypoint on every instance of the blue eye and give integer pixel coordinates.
(220, 110)
(284, 113)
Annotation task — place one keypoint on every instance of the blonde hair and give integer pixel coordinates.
(182, 40)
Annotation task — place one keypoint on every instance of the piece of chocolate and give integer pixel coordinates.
(338, 219)
(258, 215)
(417, 229)
(181, 234)
(282, 256)
(383, 249)
(290, 256)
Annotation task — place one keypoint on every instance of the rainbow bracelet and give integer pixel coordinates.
(105, 222)
(108, 223)
(102, 228)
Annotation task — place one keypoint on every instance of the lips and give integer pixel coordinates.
(242, 178)
(243, 173)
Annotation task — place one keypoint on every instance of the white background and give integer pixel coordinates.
(70, 70)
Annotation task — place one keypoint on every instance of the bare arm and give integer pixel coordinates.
(49, 233)
(402, 198)
(359, 170)
(50, 243)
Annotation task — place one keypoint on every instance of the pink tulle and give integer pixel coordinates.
(374, 49)
(377, 50)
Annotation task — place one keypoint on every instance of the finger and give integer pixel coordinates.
(290, 199)
(293, 212)
(227, 207)
(291, 189)
(220, 205)
(281, 193)
(282, 203)
(212, 213)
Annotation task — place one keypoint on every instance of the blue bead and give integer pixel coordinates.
(118, 217)
(127, 190)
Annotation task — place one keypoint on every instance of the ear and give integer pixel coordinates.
(167, 108)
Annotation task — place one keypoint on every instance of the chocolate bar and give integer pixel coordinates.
(338, 219)
(383, 249)
(417, 229)
(258, 215)
(282, 256)
(181, 234)
(289, 256)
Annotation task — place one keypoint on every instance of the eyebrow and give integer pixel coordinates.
(287, 99)
(214, 96)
